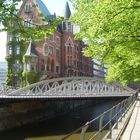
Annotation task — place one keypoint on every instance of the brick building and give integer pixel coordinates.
(58, 55)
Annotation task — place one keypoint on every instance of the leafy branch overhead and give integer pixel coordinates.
(12, 22)
(112, 28)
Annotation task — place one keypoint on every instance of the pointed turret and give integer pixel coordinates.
(67, 11)
(31, 59)
(31, 50)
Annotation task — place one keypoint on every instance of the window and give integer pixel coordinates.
(69, 49)
(28, 8)
(16, 66)
(32, 67)
(57, 40)
(48, 65)
(57, 69)
(17, 39)
(9, 37)
(64, 25)
(69, 60)
(42, 67)
(28, 67)
(18, 50)
(48, 68)
(11, 24)
(28, 23)
(48, 50)
(57, 53)
(69, 26)
(10, 50)
(33, 60)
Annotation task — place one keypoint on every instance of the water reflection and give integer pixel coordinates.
(55, 129)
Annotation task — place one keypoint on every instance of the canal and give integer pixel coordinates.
(56, 128)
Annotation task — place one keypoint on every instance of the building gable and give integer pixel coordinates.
(69, 41)
(37, 6)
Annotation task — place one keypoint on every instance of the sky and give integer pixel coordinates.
(52, 5)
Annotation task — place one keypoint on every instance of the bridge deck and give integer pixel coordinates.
(64, 97)
(132, 131)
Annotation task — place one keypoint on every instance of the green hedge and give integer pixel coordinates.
(31, 77)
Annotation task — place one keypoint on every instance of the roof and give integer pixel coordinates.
(67, 11)
(31, 50)
(46, 13)
(44, 10)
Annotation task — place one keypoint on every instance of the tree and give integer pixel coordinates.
(9, 15)
(112, 28)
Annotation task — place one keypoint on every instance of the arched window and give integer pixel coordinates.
(48, 50)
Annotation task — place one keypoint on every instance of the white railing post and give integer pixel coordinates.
(100, 126)
(83, 132)
(110, 122)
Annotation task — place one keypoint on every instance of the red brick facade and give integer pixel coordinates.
(59, 55)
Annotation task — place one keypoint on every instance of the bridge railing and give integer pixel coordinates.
(6, 89)
(115, 115)
(71, 86)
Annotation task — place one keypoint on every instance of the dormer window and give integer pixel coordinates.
(64, 26)
(67, 26)
(28, 8)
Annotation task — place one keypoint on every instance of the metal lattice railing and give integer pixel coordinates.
(4, 90)
(71, 87)
(116, 113)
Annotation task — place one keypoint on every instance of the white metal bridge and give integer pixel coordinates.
(69, 87)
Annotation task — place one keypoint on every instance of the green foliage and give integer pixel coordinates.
(9, 79)
(31, 77)
(11, 60)
(112, 28)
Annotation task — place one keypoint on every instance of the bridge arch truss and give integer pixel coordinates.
(71, 87)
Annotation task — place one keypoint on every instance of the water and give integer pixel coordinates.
(55, 129)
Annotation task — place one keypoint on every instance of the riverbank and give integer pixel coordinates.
(55, 128)
(19, 114)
